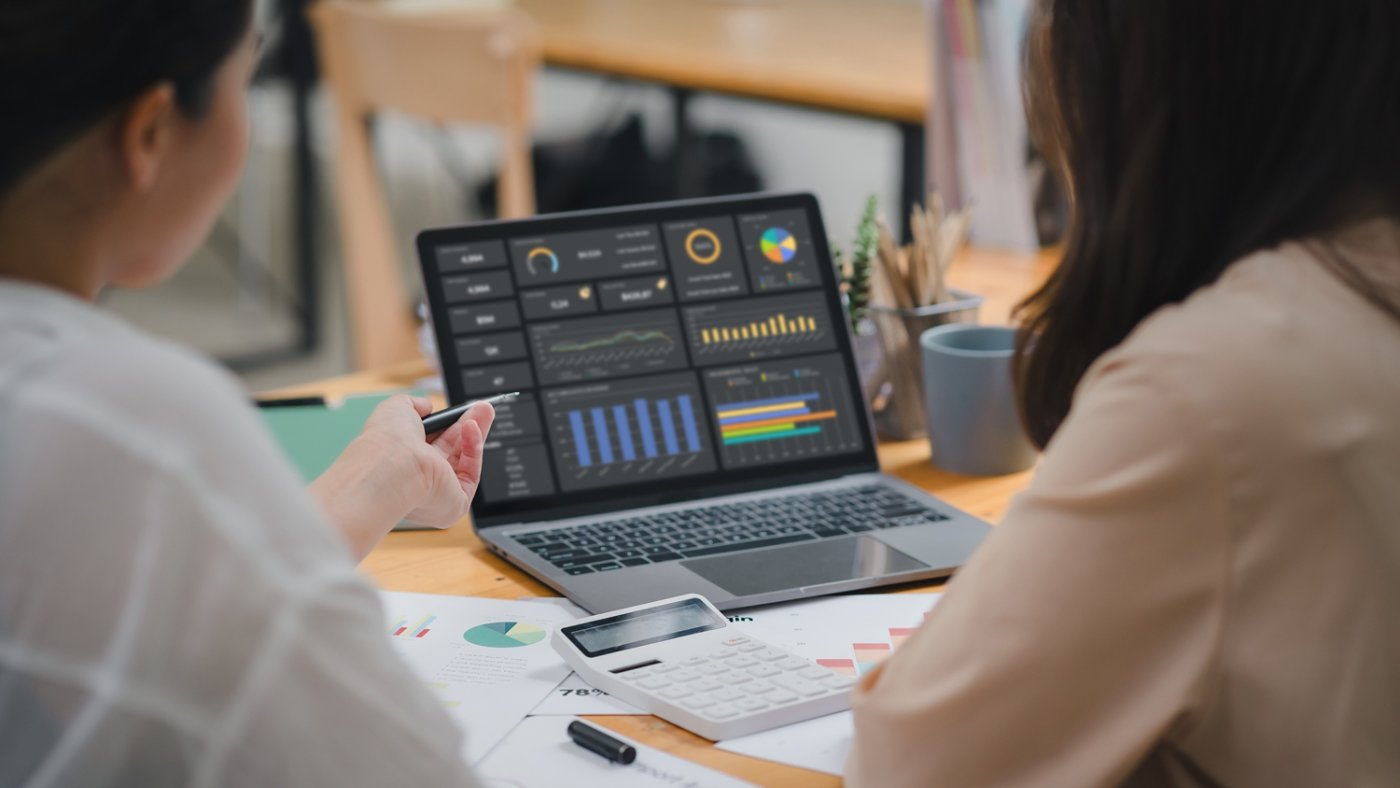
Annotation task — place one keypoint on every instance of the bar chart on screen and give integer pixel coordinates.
(759, 328)
(627, 431)
(782, 411)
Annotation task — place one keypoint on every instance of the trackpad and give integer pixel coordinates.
(800, 565)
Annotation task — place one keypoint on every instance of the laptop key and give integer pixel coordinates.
(634, 561)
(607, 567)
(578, 570)
(729, 548)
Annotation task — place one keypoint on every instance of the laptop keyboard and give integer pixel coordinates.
(725, 528)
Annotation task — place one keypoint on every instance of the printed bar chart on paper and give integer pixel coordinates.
(759, 328)
(418, 630)
(637, 429)
(780, 411)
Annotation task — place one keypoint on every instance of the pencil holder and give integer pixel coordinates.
(895, 392)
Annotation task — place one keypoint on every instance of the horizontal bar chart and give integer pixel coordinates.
(774, 418)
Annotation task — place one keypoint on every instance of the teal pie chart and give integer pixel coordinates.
(504, 634)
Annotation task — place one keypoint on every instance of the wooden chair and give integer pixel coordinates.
(469, 67)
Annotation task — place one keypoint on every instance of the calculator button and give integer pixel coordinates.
(735, 678)
(800, 686)
(704, 685)
(757, 687)
(769, 655)
(838, 682)
(792, 663)
(721, 712)
(741, 662)
(665, 667)
(751, 646)
(779, 697)
(814, 673)
(638, 673)
(751, 704)
(694, 661)
(712, 669)
(654, 682)
(682, 676)
(697, 702)
(764, 671)
(727, 694)
(720, 653)
(674, 692)
(736, 641)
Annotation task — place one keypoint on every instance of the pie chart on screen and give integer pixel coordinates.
(777, 245)
(504, 634)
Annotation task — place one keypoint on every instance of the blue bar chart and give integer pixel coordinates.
(610, 433)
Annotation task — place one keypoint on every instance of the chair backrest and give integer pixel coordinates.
(473, 66)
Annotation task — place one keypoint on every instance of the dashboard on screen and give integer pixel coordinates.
(666, 348)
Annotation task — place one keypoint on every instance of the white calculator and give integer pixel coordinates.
(680, 659)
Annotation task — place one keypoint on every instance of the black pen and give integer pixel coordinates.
(590, 738)
(437, 422)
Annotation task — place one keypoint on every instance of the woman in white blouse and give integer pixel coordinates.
(1201, 587)
(174, 607)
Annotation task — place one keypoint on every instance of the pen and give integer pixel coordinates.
(590, 738)
(437, 422)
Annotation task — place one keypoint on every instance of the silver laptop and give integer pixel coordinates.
(691, 417)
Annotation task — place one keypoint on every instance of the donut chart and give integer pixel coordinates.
(504, 634)
(542, 261)
(702, 246)
(777, 245)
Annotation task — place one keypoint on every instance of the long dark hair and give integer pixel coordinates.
(64, 64)
(1191, 133)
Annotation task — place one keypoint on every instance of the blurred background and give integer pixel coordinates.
(437, 112)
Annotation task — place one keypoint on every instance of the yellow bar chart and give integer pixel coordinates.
(777, 326)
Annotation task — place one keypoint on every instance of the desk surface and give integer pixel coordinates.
(456, 562)
(867, 58)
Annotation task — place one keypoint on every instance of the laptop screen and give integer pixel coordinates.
(664, 353)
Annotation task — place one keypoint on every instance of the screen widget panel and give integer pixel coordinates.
(782, 411)
(562, 301)
(706, 258)
(593, 254)
(759, 328)
(459, 258)
(491, 348)
(608, 346)
(515, 469)
(637, 293)
(628, 431)
(477, 287)
(779, 252)
(480, 318)
(497, 378)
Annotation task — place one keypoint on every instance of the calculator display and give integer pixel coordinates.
(643, 627)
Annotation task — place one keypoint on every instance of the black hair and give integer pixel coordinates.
(1191, 133)
(64, 64)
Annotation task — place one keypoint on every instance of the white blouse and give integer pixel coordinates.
(173, 607)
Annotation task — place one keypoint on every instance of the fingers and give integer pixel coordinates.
(422, 405)
(467, 462)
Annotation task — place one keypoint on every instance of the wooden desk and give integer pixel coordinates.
(456, 562)
(860, 57)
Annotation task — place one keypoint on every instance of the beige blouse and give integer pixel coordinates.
(1202, 584)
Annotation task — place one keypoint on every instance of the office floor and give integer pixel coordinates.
(230, 300)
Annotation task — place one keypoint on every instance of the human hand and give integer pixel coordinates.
(392, 471)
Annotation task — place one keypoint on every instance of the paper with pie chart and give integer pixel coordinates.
(488, 661)
(778, 249)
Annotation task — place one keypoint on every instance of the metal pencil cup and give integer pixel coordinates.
(896, 392)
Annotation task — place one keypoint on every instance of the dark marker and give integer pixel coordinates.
(437, 422)
(590, 738)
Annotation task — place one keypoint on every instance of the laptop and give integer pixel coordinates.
(691, 419)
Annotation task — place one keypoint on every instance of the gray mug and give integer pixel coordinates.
(973, 425)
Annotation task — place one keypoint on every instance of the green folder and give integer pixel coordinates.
(312, 435)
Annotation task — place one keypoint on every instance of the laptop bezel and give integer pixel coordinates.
(568, 505)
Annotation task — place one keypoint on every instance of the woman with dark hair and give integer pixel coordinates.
(174, 607)
(1201, 586)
